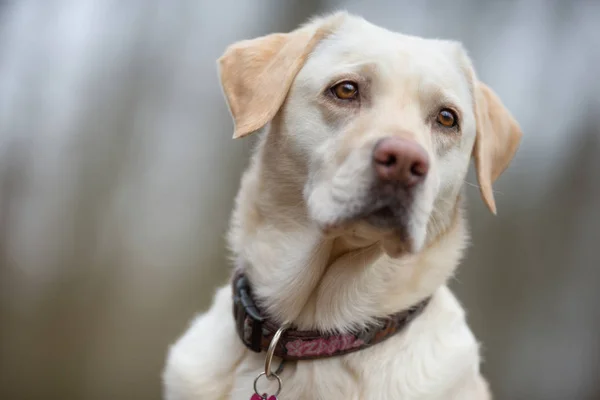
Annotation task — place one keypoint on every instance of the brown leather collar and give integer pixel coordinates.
(256, 331)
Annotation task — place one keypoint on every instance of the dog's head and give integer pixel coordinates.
(381, 126)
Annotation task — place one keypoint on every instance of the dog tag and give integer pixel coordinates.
(255, 396)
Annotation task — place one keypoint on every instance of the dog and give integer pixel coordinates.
(350, 211)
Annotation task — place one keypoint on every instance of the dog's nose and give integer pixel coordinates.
(401, 161)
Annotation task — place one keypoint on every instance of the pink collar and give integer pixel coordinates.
(256, 331)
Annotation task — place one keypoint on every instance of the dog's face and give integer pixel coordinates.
(385, 124)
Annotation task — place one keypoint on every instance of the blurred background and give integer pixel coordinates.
(118, 172)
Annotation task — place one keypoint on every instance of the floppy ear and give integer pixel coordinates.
(498, 137)
(257, 74)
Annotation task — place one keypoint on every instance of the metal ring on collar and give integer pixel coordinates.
(272, 375)
(271, 350)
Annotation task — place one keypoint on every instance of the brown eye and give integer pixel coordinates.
(345, 90)
(447, 118)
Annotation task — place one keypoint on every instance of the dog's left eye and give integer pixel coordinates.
(345, 90)
(447, 118)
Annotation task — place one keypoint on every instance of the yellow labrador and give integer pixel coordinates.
(350, 211)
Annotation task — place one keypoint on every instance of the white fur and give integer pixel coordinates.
(298, 186)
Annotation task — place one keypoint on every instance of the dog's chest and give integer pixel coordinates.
(429, 360)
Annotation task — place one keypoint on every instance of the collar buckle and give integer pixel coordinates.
(247, 315)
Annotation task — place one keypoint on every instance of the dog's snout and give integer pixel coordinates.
(400, 161)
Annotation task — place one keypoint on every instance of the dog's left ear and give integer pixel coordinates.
(257, 74)
(498, 137)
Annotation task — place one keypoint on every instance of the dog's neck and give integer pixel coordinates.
(300, 275)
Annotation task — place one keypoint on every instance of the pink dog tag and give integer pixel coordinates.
(255, 396)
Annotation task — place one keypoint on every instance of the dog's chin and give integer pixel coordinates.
(390, 226)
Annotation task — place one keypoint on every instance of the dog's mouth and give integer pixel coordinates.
(381, 220)
(388, 218)
(387, 210)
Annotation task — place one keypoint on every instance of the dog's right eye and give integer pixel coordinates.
(345, 90)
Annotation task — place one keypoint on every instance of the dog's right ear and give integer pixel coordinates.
(257, 74)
